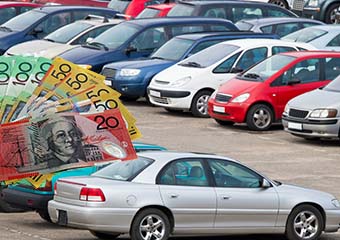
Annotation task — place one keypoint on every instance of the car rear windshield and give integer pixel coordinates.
(68, 32)
(244, 26)
(263, 70)
(119, 5)
(181, 10)
(305, 35)
(124, 170)
(215, 53)
(24, 20)
(148, 13)
(174, 49)
(333, 86)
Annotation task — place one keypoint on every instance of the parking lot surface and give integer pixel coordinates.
(275, 153)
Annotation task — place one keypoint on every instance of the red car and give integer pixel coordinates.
(9, 10)
(95, 3)
(258, 95)
(158, 10)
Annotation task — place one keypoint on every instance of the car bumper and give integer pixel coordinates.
(234, 112)
(135, 88)
(26, 200)
(170, 99)
(116, 220)
(332, 220)
(323, 128)
(313, 13)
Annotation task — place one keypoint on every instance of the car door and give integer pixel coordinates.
(242, 202)
(186, 190)
(302, 77)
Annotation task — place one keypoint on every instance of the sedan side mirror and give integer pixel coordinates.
(130, 49)
(89, 39)
(36, 31)
(265, 183)
(293, 81)
(236, 70)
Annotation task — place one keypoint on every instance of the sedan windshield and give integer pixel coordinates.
(305, 35)
(124, 170)
(24, 20)
(119, 5)
(148, 13)
(261, 71)
(173, 50)
(116, 36)
(209, 56)
(68, 32)
(182, 10)
(333, 86)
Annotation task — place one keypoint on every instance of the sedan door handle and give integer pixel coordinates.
(225, 197)
(174, 195)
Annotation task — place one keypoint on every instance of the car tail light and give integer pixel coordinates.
(55, 188)
(47, 187)
(91, 195)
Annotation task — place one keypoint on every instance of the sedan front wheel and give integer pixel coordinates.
(304, 223)
(260, 117)
(150, 224)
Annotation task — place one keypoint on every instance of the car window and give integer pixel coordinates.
(267, 29)
(335, 42)
(149, 39)
(240, 13)
(277, 13)
(226, 66)
(244, 26)
(6, 14)
(24, 20)
(184, 173)
(252, 56)
(305, 71)
(148, 13)
(91, 34)
(309, 24)
(178, 30)
(173, 49)
(25, 9)
(233, 175)
(181, 10)
(286, 28)
(279, 49)
(204, 45)
(119, 5)
(305, 35)
(218, 28)
(332, 68)
(53, 22)
(218, 12)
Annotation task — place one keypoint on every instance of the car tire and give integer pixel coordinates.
(330, 13)
(44, 215)
(298, 226)
(224, 123)
(281, 3)
(259, 117)
(199, 104)
(104, 236)
(145, 224)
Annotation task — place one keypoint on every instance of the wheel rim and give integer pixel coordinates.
(306, 225)
(333, 15)
(261, 118)
(202, 104)
(279, 3)
(152, 228)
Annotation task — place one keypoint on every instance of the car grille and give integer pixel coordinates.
(160, 100)
(222, 97)
(297, 113)
(298, 5)
(109, 72)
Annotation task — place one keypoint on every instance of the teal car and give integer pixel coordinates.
(24, 196)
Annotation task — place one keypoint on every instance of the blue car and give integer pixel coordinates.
(39, 22)
(139, 38)
(131, 78)
(24, 196)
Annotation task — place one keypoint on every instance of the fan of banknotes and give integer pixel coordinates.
(56, 114)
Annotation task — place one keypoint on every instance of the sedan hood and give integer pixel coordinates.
(236, 86)
(140, 63)
(7, 39)
(84, 55)
(171, 74)
(302, 192)
(316, 99)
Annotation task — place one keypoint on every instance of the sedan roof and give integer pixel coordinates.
(195, 36)
(57, 8)
(276, 20)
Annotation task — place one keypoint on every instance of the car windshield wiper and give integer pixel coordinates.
(5, 29)
(48, 39)
(96, 45)
(252, 75)
(158, 58)
(191, 64)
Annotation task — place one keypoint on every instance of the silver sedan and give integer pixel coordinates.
(170, 193)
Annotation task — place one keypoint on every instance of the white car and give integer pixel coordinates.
(65, 38)
(188, 85)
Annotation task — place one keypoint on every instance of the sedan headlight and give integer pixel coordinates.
(180, 81)
(242, 98)
(313, 3)
(86, 66)
(126, 72)
(286, 109)
(324, 113)
(336, 203)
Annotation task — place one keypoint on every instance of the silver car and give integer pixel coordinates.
(170, 193)
(315, 114)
